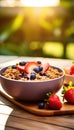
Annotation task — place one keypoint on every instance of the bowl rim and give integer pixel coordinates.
(32, 81)
(69, 75)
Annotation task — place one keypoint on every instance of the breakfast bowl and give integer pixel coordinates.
(31, 89)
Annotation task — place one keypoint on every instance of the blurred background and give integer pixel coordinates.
(37, 28)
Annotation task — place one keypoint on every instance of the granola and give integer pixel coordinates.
(34, 71)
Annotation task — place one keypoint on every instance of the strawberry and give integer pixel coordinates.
(51, 101)
(54, 102)
(68, 92)
(69, 95)
(20, 68)
(46, 67)
(30, 66)
(72, 70)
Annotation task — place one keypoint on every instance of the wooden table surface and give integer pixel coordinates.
(13, 117)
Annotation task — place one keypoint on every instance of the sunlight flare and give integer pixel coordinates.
(40, 3)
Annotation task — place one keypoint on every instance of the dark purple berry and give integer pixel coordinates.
(36, 69)
(22, 63)
(13, 66)
(26, 76)
(32, 76)
(40, 68)
(42, 74)
(41, 105)
(39, 62)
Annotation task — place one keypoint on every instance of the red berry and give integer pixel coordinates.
(69, 95)
(72, 70)
(30, 66)
(46, 67)
(54, 102)
(20, 68)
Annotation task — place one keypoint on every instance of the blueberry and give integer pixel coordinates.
(39, 62)
(32, 76)
(42, 73)
(26, 76)
(36, 69)
(41, 105)
(13, 66)
(40, 68)
(22, 63)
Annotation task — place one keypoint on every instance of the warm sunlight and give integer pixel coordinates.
(30, 3)
(39, 3)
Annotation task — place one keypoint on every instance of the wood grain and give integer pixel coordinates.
(33, 107)
(20, 119)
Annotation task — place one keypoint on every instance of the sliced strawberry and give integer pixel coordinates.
(30, 66)
(20, 68)
(46, 67)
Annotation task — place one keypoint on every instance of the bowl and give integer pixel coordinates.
(30, 90)
(69, 78)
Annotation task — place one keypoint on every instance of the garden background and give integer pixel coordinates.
(37, 31)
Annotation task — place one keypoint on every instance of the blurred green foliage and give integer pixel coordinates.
(28, 34)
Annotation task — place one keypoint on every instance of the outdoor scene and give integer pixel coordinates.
(41, 28)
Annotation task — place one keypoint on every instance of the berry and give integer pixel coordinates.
(46, 67)
(32, 76)
(36, 69)
(42, 73)
(68, 93)
(39, 62)
(20, 68)
(26, 76)
(40, 68)
(54, 102)
(22, 63)
(13, 66)
(41, 105)
(30, 66)
(72, 70)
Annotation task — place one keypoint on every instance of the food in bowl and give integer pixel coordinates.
(69, 74)
(29, 81)
(31, 71)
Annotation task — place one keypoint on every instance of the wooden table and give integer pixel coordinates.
(13, 117)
